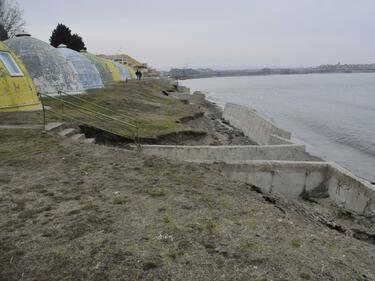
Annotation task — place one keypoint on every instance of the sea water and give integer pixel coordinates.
(333, 114)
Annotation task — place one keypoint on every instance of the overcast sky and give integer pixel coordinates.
(216, 33)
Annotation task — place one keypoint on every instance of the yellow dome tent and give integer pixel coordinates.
(17, 90)
(112, 67)
(132, 72)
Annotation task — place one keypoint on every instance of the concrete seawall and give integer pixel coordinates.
(293, 179)
(210, 154)
(256, 127)
(276, 165)
(277, 140)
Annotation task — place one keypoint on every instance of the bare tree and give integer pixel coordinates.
(11, 17)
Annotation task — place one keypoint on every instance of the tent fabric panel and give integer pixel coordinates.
(17, 93)
(86, 70)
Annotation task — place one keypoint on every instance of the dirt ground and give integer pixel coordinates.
(72, 211)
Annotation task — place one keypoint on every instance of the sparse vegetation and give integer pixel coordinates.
(296, 243)
(305, 276)
(120, 200)
(155, 114)
(156, 192)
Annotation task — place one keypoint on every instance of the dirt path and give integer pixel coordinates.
(87, 212)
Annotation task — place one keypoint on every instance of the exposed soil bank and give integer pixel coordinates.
(209, 121)
(106, 138)
(199, 122)
(87, 212)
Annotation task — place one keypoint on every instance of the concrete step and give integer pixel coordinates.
(54, 127)
(89, 140)
(78, 137)
(72, 133)
(68, 132)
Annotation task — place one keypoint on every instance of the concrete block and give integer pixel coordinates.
(54, 127)
(78, 137)
(274, 139)
(263, 180)
(255, 126)
(89, 140)
(68, 132)
(228, 153)
(315, 179)
(290, 184)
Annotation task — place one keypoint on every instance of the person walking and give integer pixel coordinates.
(138, 74)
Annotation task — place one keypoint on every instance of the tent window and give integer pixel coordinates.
(10, 64)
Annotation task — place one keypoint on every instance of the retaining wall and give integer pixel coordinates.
(256, 127)
(293, 179)
(277, 140)
(210, 154)
(290, 177)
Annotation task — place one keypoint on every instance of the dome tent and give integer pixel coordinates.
(17, 91)
(116, 74)
(50, 71)
(101, 66)
(87, 72)
(125, 74)
(132, 72)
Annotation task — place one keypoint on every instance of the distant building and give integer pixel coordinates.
(128, 61)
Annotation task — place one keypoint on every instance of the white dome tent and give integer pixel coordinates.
(50, 71)
(87, 71)
(125, 75)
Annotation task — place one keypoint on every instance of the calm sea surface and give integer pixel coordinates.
(333, 114)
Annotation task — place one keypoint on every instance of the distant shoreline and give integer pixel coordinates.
(189, 73)
(248, 75)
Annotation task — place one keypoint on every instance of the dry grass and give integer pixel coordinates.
(143, 101)
(86, 212)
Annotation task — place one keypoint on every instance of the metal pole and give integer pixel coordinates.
(62, 105)
(44, 111)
